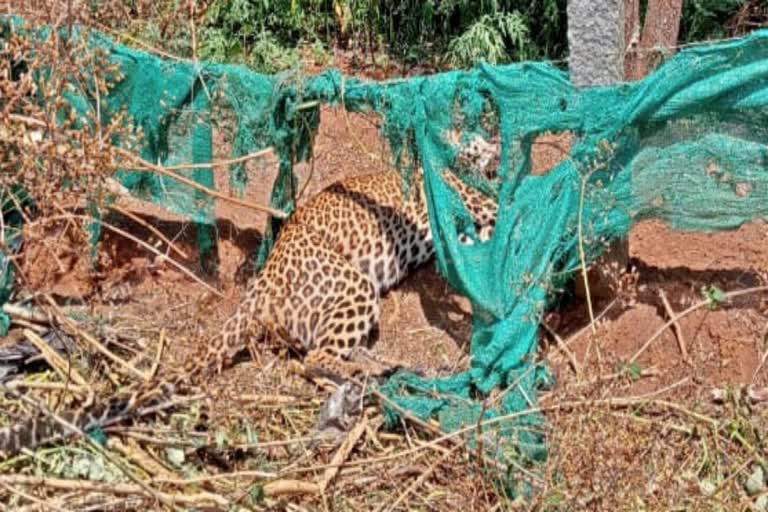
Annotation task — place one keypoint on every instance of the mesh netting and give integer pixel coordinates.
(173, 103)
(686, 146)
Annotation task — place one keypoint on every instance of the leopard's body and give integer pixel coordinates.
(320, 289)
(338, 254)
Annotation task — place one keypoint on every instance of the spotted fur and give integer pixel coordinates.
(320, 289)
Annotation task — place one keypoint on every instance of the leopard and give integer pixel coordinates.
(320, 289)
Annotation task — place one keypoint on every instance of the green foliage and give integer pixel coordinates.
(164, 24)
(707, 19)
(632, 370)
(497, 39)
(256, 494)
(261, 34)
(489, 30)
(265, 34)
(715, 296)
(258, 33)
(319, 53)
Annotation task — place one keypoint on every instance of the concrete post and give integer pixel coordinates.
(596, 43)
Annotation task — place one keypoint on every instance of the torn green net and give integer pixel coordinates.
(685, 146)
(173, 104)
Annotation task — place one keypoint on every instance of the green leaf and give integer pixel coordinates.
(256, 494)
(634, 370)
(250, 435)
(98, 436)
(715, 296)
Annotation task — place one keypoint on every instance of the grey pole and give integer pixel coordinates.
(596, 58)
(596, 42)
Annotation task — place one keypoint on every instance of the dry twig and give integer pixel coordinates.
(30, 315)
(138, 220)
(420, 480)
(290, 488)
(343, 452)
(141, 164)
(691, 309)
(676, 326)
(42, 504)
(199, 499)
(564, 348)
(93, 342)
(65, 370)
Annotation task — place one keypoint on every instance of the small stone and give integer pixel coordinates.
(755, 484)
(719, 395)
(707, 487)
(761, 503)
(175, 456)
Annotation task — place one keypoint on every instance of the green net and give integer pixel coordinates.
(173, 105)
(686, 146)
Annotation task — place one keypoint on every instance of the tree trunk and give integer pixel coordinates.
(660, 31)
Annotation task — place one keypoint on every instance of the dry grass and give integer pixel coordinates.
(255, 447)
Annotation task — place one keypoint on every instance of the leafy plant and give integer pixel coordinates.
(412, 31)
(495, 39)
(265, 33)
(707, 19)
(715, 296)
(267, 55)
(320, 55)
(632, 370)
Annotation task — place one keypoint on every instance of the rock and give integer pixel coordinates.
(340, 411)
(707, 487)
(755, 484)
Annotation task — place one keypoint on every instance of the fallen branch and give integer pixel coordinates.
(420, 480)
(563, 348)
(47, 386)
(572, 339)
(30, 315)
(343, 452)
(141, 487)
(289, 488)
(93, 342)
(199, 499)
(141, 164)
(263, 475)
(41, 504)
(675, 326)
(135, 454)
(617, 403)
